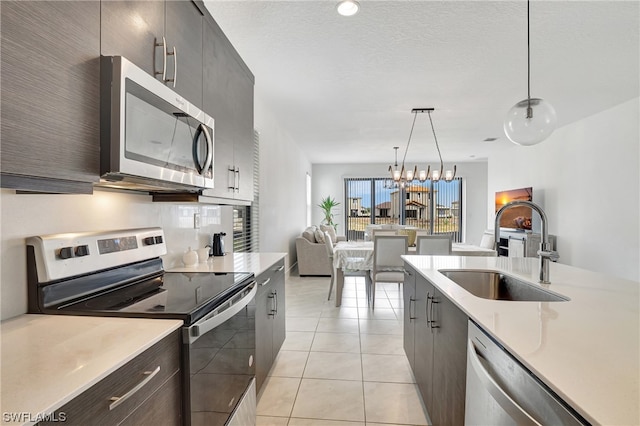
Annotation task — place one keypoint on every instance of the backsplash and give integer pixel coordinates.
(26, 215)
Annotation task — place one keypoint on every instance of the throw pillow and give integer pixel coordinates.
(309, 234)
(329, 230)
(319, 236)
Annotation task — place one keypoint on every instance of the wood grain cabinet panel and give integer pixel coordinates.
(449, 363)
(183, 31)
(132, 29)
(50, 79)
(228, 98)
(92, 407)
(435, 333)
(270, 319)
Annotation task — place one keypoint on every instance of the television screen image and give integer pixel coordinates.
(516, 217)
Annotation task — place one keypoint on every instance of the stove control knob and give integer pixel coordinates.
(149, 241)
(65, 253)
(82, 250)
(159, 239)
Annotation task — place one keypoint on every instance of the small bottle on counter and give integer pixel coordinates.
(190, 258)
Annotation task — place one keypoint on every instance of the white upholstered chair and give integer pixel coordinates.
(377, 232)
(387, 265)
(329, 245)
(433, 244)
(346, 271)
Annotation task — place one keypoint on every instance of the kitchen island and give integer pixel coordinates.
(586, 349)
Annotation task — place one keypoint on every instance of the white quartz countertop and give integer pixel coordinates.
(255, 263)
(47, 360)
(585, 349)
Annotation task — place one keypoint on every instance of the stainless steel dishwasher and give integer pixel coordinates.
(501, 391)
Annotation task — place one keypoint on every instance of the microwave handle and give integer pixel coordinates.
(202, 129)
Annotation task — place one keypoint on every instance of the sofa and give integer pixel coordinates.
(312, 252)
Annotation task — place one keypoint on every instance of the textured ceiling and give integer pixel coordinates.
(344, 87)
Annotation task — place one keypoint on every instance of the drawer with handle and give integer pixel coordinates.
(116, 396)
(266, 279)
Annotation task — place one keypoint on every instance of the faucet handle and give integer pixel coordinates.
(552, 255)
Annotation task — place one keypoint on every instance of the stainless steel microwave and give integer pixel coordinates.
(151, 138)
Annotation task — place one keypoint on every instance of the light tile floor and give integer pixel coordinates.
(341, 366)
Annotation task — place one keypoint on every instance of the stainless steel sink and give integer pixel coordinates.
(498, 286)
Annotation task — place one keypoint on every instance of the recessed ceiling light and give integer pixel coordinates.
(348, 7)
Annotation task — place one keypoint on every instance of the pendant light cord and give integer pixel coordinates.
(415, 115)
(436, 139)
(528, 60)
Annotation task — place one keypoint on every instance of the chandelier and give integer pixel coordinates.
(404, 176)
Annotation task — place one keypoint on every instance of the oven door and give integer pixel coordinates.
(219, 353)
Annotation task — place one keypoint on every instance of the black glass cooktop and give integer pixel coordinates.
(180, 295)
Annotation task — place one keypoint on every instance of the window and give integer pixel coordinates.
(308, 200)
(435, 207)
(246, 230)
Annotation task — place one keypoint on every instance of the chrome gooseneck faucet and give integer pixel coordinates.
(545, 253)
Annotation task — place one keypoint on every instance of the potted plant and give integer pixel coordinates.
(327, 204)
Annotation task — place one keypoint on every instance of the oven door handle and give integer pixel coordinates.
(217, 317)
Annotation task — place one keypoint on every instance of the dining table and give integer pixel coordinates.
(357, 257)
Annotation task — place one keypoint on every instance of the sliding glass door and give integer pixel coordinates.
(435, 207)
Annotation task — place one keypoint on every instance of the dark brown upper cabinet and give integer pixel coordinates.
(50, 95)
(164, 38)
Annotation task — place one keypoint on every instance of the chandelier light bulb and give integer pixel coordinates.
(530, 122)
(396, 175)
(422, 175)
(435, 175)
(409, 175)
(348, 7)
(448, 175)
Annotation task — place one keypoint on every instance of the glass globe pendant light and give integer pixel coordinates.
(532, 120)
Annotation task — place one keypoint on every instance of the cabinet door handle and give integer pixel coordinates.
(117, 400)
(411, 308)
(164, 59)
(272, 311)
(430, 321)
(280, 269)
(231, 186)
(265, 282)
(427, 313)
(275, 300)
(173, 80)
(238, 181)
(175, 66)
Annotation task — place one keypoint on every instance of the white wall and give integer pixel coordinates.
(328, 180)
(586, 177)
(26, 215)
(283, 169)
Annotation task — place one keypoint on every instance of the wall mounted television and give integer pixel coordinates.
(519, 217)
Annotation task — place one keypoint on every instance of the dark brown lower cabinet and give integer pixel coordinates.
(270, 319)
(157, 401)
(435, 333)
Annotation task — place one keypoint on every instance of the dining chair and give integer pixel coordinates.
(388, 266)
(329, 245)
(433, 244)
(377, 232)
